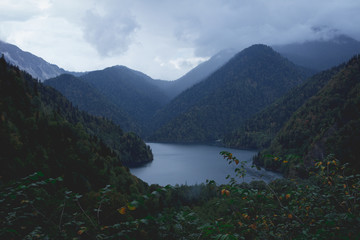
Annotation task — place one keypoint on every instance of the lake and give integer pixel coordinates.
(194, 164)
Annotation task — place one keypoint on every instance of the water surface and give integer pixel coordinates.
(194, 164)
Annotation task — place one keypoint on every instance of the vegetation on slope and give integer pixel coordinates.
(258, 131)
(127, 97)
(329, 122)
(131, 91)
(325, 206)
(41, 131)
(250, 81)
(81, 191)
(88, 99)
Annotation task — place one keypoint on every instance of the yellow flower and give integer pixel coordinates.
(285, 161)
(104, 227)
(253, 226)
(122, 210)
(82, 230)
(290, 216)
(225, 192)
(287, 196)
(131, 208)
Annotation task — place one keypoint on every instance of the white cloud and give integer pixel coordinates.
(110, 32)
(188, 63)
(161, 38)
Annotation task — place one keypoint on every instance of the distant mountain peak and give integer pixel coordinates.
(246, 83)
(119, 67)
(321, 54)
(260, 48)
(28, 62)
(197, 74)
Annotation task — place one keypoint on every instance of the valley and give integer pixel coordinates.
(191, 164)
(75, 163)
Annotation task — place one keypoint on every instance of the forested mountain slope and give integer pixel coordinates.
(89, 99)
(258, 131)
(251, 80)
(130, 90)
(40, 130)
(81, 191)
(328, 123)
(128, 97)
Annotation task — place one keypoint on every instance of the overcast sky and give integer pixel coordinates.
(165, 38)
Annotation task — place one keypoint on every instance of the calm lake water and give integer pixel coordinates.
(194, 164)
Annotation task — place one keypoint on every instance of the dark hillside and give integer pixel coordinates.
(258, 131)
(89, 99)
(328, 123)
(41, 131)
(251, 80)
(130, 91)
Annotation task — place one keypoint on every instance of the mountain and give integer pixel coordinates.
(251, 80)
(89, 99)
(126, 96)
(40, 130)
(328, 123)
(35, 66)
(320, 54)
(197, 74)
(258, 131)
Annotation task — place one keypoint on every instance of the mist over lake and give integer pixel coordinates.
(194, 164)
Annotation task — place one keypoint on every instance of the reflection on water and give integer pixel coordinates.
(194, 164)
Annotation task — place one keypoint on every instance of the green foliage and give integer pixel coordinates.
(328, 123)
(127, 97)
(251, 80)
(258, 131)
(41, 130)
(325, 206)
(88, 98)
(131, 91)
(81, 191)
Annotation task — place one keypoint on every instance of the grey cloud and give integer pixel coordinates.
(216, 24)
(18, 11)
(176, 30)
(110, 33)
(187, 29)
